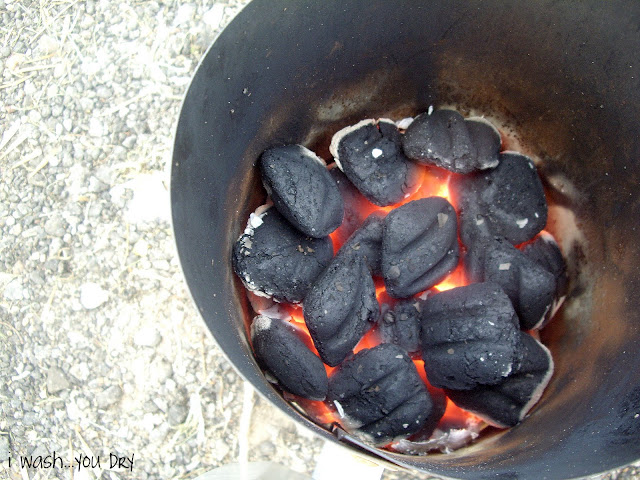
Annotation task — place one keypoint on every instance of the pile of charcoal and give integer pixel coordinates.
(477, 341)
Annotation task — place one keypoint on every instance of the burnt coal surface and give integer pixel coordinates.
(340, 307)
(439, 401)
(302, 189)
(356, 205)
(507, 201)
(280, 349)
(545, 252)
(400, 325)
(274, 259)
(506, 404)
(445, 139)
(419, 246)
(370, 155)
(469, 336)
(381, 394)
(486, 140)
(366, 242)
(530, 286)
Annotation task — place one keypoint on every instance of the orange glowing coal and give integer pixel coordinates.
(434, 182)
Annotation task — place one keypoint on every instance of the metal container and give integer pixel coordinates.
(563, 76)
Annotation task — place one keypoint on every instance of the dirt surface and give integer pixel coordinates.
(102, 353)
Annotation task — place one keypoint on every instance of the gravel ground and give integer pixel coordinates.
(102, 351)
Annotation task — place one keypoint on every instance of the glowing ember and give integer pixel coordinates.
(415, 242)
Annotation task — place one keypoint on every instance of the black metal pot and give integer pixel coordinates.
(565, 76)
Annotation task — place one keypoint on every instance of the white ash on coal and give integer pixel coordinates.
(530, 286)
(445, 139)
(506, 404)
(400, 325)
(470, 336)
(370, 155)
(419, 246)
(302, 190)
(545, 252)
(282, 350)
(274, 259)
(507, 201)
(366, 242)
(341, 306)
(380, 394)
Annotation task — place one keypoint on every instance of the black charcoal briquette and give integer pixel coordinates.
(275, 260)
(356, 206)
(530, 287)
(507, 201)
(505, 404)
(486, 140)
(302, 189)
(370, 155)
(445, 139)
(419, 246)
(469, 336)
(366, 241)
(281, 351)
(400, 325)
(380, 394)
(545, 252)
(340, 307)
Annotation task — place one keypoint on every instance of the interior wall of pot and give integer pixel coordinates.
(562, 80)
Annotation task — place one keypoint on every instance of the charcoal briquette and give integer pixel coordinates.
(530, 287)
(486, 140)
(370, 155)
(356, 206)
(507, 201)
(505, 404)
(302, 190)
(366, 241)
(400, 325)
(276, 260)
(380, 394)
(341, 306)
(445, 139)
(545, 252)
(280, 349)
(469, 336)
(419, 246)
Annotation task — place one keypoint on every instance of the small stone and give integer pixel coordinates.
(92, 295)
(96, 186)
(55, 226)
(177, 414)
(213, 17)
(13, 290)
(47, 45)
(81, 371)
(147, 336)
(96, 127)
(4, 448)
(141, 248)
(220, 450)
(184, 14)
(110, 396)
(56, 380)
